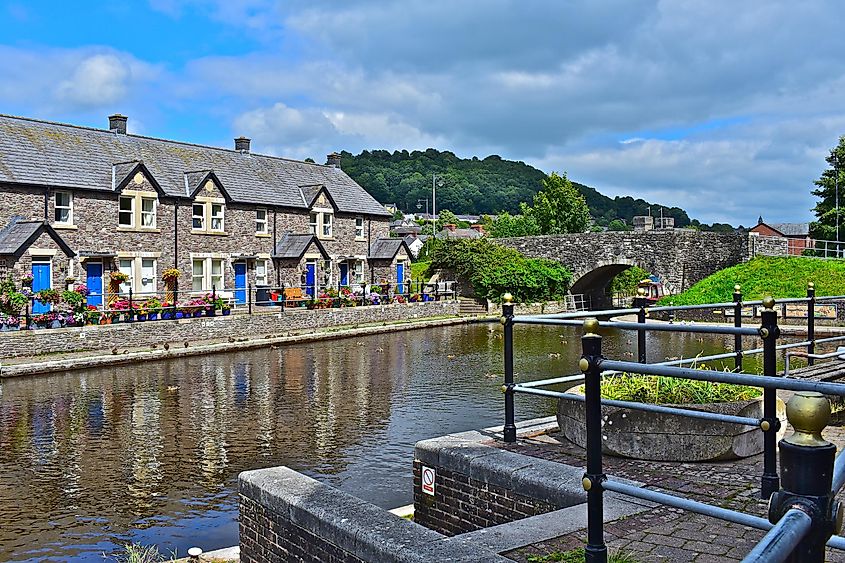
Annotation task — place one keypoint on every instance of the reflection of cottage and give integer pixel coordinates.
(797, 234)
(105, 200)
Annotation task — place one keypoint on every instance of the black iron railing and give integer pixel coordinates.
(802, 515)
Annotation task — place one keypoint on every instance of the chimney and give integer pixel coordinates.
(450, 227)
(242, 144)
(333, 159)
(117, 123)
(478, 227)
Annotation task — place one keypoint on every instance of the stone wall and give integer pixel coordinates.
(477, 485)
(286, 516)
(193, 331)
(767, 246)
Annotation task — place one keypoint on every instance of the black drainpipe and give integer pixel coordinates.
(369, 246)
(273, 251)
(46, 204)
(176, 234)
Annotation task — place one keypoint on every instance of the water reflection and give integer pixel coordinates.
(151, 452)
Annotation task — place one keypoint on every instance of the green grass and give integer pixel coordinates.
(419, 270)
(137, 553)
(669, 390)
(767, 275)
(577, 556)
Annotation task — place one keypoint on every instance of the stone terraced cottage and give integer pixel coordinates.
(77, 203)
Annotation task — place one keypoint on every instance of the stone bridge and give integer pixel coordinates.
(679, 257)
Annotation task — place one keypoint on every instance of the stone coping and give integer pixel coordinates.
(98, 359)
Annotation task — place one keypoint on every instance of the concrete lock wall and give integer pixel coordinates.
(177, 332)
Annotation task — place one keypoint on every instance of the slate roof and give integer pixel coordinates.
(792, 229)
(387, 248)
(459, 233)
(293, 246)
(18, 235)
(69, 156)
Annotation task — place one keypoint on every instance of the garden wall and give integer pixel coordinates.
(193, 331)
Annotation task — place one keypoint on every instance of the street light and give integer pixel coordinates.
(435, 181)
(836, 187)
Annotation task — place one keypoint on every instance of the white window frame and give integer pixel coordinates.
(212, 217)
(261, 223)
(327, 269)
(121, 212)
(68, 207)
(152, 213)
(207, 277)
(129, 270)
(261, 279)
(201, 216)
(358, 272)
(313, 222)
(360, 234)
(326, 225)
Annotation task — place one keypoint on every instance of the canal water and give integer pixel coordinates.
(150, 453)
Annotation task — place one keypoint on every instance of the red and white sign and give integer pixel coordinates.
(428, 480)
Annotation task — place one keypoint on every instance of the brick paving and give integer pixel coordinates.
(663, 533)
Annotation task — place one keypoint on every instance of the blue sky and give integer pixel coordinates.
(724, 109)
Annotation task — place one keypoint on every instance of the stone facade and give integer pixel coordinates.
(128, 203)
(679, 257)
(198, 330)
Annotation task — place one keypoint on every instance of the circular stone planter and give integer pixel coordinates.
(669, 437)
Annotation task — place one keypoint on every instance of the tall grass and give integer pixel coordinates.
(137, 553)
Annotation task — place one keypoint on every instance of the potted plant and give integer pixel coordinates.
(92, 315)
(226, 309)
(170, 277)
(11, 323)
(153, 307)
(26, 280)
(40, 321)
(140, 312)
(167, 310)
(120, 310)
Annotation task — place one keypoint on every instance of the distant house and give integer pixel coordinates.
(798, 234)
(451, 231)
(415, 243)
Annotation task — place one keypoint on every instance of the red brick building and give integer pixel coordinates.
(797, 233)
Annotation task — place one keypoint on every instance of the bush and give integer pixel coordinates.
(494, 270)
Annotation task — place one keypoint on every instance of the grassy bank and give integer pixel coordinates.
(767, 275)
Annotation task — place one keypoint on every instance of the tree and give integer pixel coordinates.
(446, 217)
(824, 228)
(559, 207)
(618, 225)
(507, 225)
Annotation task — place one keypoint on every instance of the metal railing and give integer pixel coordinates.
(816, 248)
(802, 512)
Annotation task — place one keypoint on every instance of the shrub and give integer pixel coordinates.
(494, 270)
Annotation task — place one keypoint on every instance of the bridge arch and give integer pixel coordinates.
(594, 281)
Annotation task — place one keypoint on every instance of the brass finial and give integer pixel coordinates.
(507, 298)
(640, 291)
(591, 326)
(769, 302)
(808, 412)
(737, 287)
(811, 285)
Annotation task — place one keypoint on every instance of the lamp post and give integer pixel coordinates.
(836, 188)
(419, 204)
(435, 181)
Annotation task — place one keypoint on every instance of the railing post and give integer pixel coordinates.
(806, 462)
(27, 319)
(249, 297)
(590, 364)
(738, 324)
(640, 302)
(507, 320)
(131, 311)
(771, 424)
(811, 321)
(284, 296)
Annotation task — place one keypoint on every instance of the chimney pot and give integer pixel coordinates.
(450, 227)
(333, 159)
(242, 144)
(477, 227)
(117, 123)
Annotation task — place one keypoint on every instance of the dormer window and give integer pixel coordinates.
(64, 208)
(198, 223)
(126, 213)
(327, 225)
(148, 212)
(208, 216)
(313, 218)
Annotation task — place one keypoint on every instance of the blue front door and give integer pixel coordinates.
(310, 278)
(240, 282)
(94, 281)
(344, 274)
(400, 277)
(40, 280)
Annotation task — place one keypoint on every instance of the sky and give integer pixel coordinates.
(726, 109)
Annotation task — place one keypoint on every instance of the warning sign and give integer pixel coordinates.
(428, 480)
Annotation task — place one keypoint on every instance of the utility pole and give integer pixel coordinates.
(434, 204)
